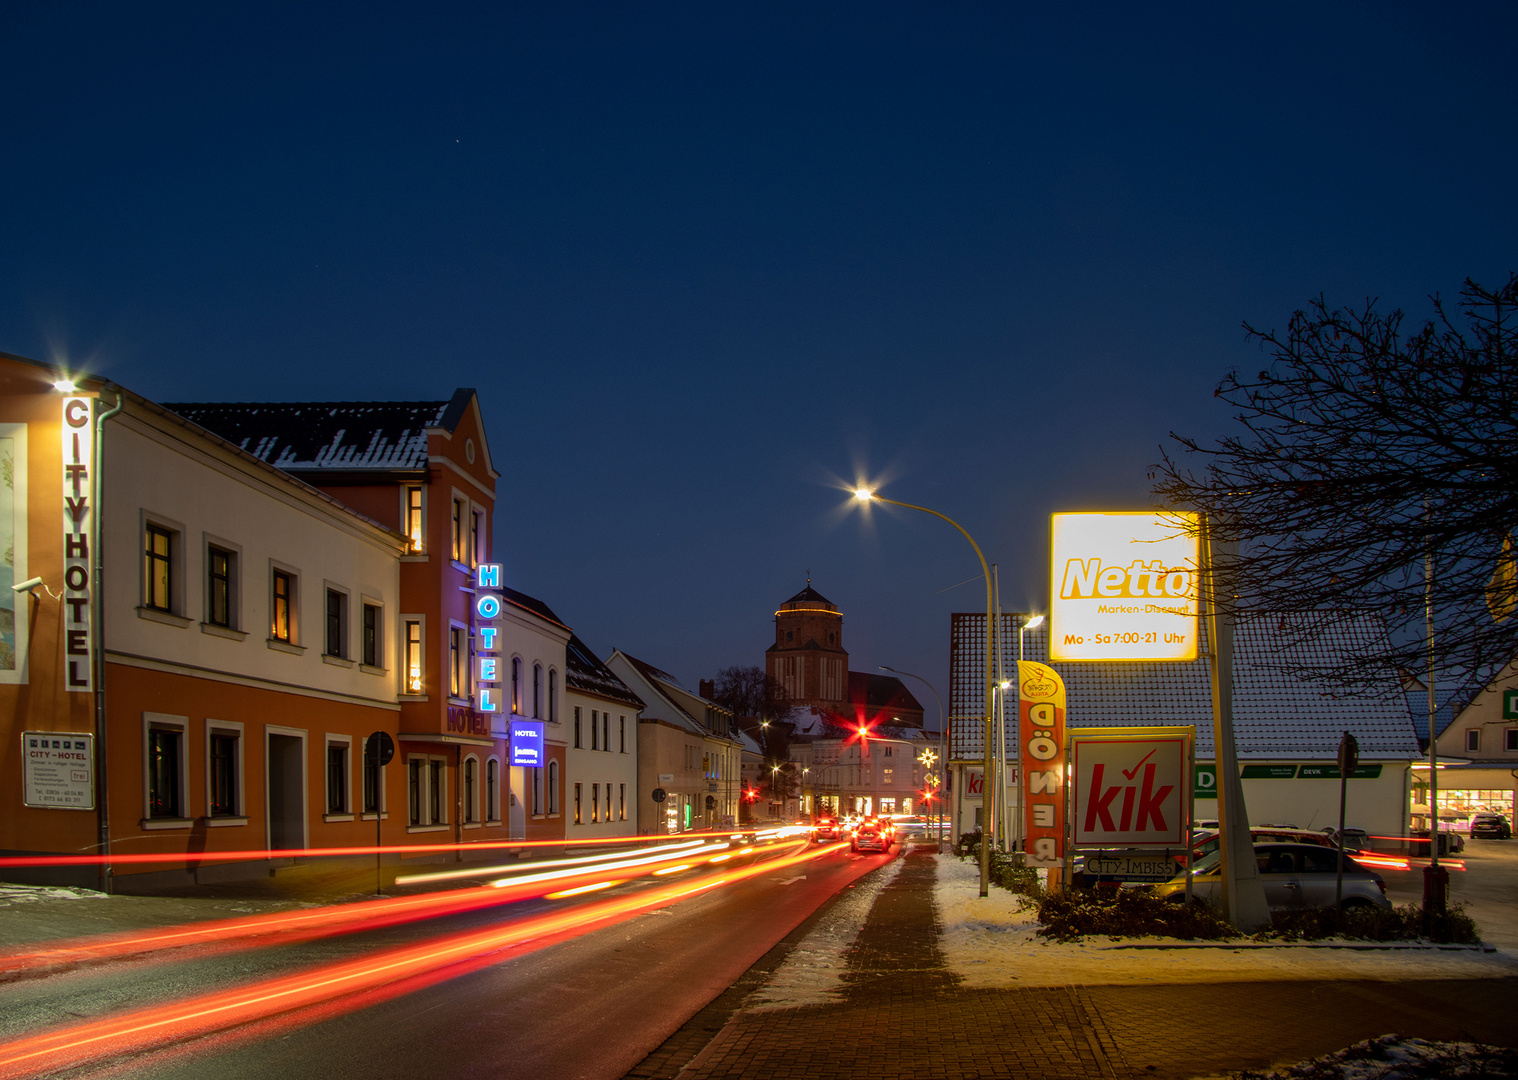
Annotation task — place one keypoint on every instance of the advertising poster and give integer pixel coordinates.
(1041, 743)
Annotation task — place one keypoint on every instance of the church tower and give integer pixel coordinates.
(808, 658)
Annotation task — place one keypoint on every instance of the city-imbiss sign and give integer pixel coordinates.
(1123, 586)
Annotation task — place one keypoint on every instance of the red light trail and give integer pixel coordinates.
(141, 1029)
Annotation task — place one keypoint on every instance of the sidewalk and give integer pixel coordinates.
(897, 1011)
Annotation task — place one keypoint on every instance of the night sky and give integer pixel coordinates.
(708, 264)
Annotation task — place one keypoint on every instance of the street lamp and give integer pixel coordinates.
(988, 798)
(941, 756)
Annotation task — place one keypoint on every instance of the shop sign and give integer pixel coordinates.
(58, 770)
(1130, 787)
(1041, 745)
(527, 743)
(487, 608)
(1204, 782)
(465, 721)
(78, 526)
(1123, 586)
(975, 785)
(1269, 772)
(1130, 866)
(1331, 772)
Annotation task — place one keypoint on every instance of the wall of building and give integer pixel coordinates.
(603, 762)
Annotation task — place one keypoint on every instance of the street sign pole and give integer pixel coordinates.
(379, 748)
(1349, 757)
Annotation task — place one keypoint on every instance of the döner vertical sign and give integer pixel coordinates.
(1041, 740)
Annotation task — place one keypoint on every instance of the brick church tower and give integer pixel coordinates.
(808, 657)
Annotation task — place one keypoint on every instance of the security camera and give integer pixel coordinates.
(28, 585)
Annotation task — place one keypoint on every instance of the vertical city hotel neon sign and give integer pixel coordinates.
(78, 528)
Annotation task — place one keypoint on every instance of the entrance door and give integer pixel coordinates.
(517, 821)
(286, 768)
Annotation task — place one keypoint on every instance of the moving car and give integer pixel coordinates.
(1490, 827)
(873, 835)
(828, 828)
(1296, 877)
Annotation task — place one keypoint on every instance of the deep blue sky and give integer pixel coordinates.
(705, 261)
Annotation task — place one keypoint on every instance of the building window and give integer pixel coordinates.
(371, 646)
(492, 790)
(537, 691)
(595, 729)
(337, 777)
(414, 529)
(887, 751)
(1472, 739)
(578, 741)
(458, 680)
(415, 778)
(412, 661)
(553, 696)
(219, 587)
(606, 732)
(516, 685)
(471, 812)
(158, 552)
(460, 534)
(885, 775)
(223, 773)
(166, 771)
(435, 787)
(372, 777)
(1510, 739)
(426, 790)
(622, 801)
(577, 804)
(595, 803)
(622, 733)
(476, 537)
(553, 787)
(337, 623)
(282, 625)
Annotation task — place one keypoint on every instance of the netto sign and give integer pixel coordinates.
(1123, 586)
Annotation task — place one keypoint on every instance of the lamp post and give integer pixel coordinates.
(988, 797)
(942, 758)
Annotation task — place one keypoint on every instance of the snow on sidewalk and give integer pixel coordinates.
(991, 942)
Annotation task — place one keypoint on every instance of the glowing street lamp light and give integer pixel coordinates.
(988, 797)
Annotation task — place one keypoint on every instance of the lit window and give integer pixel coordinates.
(282, 626)
(457, 679)
(595, 803)
(157, 554)
(577, 804)
(622, 796)
(412, 662)
(414, 529)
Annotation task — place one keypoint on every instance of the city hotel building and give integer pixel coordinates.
(208, 608)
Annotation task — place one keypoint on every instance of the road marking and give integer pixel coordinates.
(790, 880)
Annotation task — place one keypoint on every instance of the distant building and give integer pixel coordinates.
(809, 661)
(1478, 751)
(603, 748)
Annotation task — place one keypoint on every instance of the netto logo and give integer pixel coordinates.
(1085, 579)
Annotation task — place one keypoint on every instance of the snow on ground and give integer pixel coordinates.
(1392, 1057)
(991, 942)
(33, 894)
(813, 973)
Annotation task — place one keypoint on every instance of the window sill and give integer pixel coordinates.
(223, 631)
(416, 698)
(337, 817)
(471, 825)
(463, 568)
(166, 823)
(336, 661)
(225, 821)
(168, 618)
(285, 647)
(384, 816)
(461, 702)
(420, 557)
(428, 828)
(370, 669)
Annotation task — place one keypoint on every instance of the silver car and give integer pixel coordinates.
(1296, 877)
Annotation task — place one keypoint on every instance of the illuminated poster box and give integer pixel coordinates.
(527, 743)
(1123, 586)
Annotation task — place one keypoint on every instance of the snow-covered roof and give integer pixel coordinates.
(330, 435)
(1277, 713)
(584, 671)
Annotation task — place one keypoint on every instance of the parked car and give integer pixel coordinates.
(873, 835)
(1354, 839)
(1296, 877)
(1208, 842)
(1490, 827)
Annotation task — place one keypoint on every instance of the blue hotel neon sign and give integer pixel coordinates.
(487, 608)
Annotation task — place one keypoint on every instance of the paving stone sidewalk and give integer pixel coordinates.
(901, 1014)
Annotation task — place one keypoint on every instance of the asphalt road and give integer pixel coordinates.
(589, 1006)
(1488, 887)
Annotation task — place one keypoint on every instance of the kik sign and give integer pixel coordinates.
(1131, 787)
(78, 526)
(1041, 744)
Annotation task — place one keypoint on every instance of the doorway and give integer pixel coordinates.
(285, 765)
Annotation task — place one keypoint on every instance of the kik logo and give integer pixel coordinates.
(1144, 796)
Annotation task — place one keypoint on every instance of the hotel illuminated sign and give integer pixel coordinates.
(1123, 586)
(78, 528)
(487, 608)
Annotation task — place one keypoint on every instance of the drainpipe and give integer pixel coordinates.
(97, 596)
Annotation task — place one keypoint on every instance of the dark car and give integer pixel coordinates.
(1490, 827)
(827, 828)
(872, 836)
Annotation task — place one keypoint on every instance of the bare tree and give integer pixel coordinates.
(759, 704)
(1364, 450)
